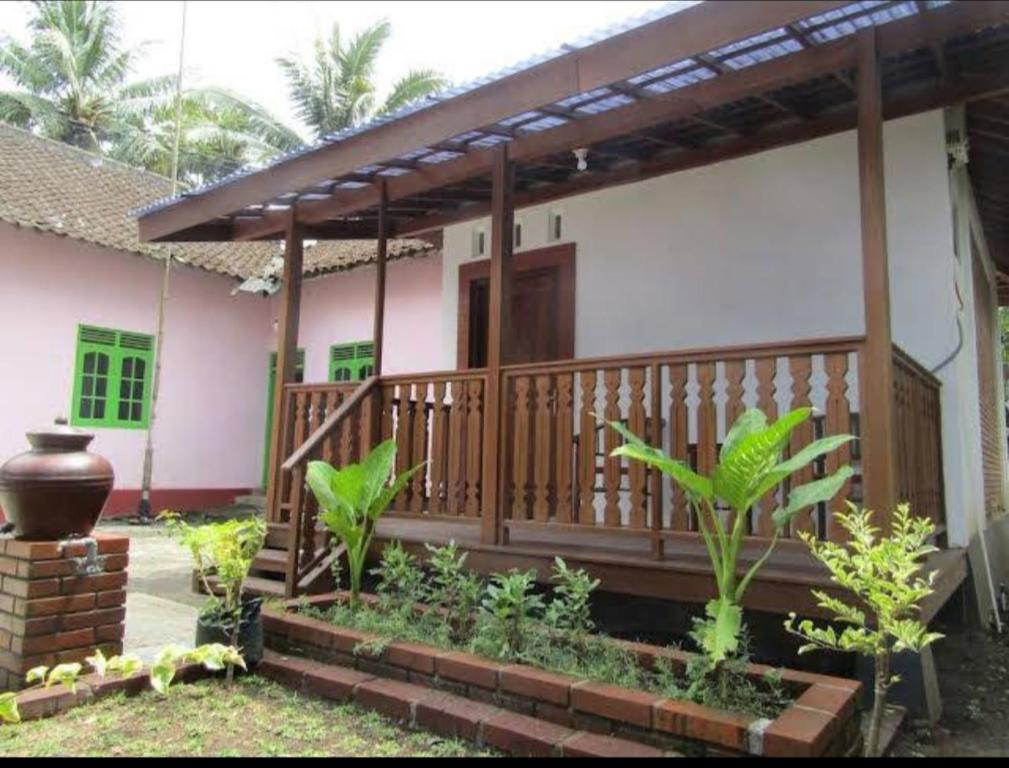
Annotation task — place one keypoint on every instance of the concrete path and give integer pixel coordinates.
(160, 605)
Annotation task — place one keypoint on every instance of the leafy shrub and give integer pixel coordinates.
(400, 578)
(506, 613)
(884, 575)
(569, 613)
(352, 500)
(750, 465)
(453, 589)
(9, 712)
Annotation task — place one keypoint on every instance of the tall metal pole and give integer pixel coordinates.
(144, 512)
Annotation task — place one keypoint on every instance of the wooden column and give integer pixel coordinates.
(876, 362)
(499, 305)
(383, 235)
(287, 351)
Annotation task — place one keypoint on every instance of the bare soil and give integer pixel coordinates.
(974, 679)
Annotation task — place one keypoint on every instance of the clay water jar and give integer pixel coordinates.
(57, 489)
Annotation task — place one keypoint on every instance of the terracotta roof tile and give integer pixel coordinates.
(54, 187)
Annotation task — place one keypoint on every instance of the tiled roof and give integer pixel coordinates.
(54, 187)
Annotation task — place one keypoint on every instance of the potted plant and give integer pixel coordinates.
(225, 551)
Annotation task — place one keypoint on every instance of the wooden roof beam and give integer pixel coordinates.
(901, 35)
(704, 26)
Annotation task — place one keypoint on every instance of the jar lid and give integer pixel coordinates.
(60, 437)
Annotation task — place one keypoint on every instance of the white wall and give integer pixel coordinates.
(759, 249)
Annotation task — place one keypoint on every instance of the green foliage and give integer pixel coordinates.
(506, 612)
(400, 578)
(569, 612)
(334, 88)
(884, 575)
(213, 657)
(66, 674)
(750, 465)
(453, 589)
(72, 82)
(126, 665)
(226, 550)
(9, 712)
(352, 500)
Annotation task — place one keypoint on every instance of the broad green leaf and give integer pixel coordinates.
(720, 633)
(66, 674)
(750, 421)
(162, 674)
(378, 467)
(693, 483)
(99, 663)
(392, 491)
(36, 675)
(130, 664)
(807, 495)
(9, 709)
(808, 454)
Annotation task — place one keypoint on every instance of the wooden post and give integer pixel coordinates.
(499, 305)
(287, 350)
(383, 234)
(876, 362)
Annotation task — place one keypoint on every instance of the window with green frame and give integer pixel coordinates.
(112, 378)
(351, 362)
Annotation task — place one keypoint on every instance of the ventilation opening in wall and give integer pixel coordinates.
(518, 236)
(556, 226)
(479, 243)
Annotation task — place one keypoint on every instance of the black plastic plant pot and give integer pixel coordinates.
(218, 629)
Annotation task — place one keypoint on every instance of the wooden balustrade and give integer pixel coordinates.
(436, 419)
(557, 468)
(918, 432)
(331, 423)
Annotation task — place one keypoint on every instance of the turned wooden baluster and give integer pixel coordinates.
(438, 450)
(837, 421)
(520, 452)
(612, 465)
(418, 448)
(707, 419)
(636, 471)
(541, 450)
(801, 368)
(679, 437)
(565, 442)
(474, 439)
(766, 369)
(587, 450)
(404, 440)
(456, 441)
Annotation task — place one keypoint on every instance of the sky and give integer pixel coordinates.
(233, 44)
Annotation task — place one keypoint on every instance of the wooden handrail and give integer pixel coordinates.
(698, 354)
(915, 367)
(316, 439)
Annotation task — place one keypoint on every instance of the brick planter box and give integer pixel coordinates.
(51, 610)
(821, 721)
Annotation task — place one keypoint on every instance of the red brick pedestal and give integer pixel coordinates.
(57, 604)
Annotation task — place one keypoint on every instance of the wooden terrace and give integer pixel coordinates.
(517, 466)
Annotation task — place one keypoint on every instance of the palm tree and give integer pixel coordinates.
(335, 88)
(72, 85)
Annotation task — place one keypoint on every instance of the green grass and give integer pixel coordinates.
(253, 718)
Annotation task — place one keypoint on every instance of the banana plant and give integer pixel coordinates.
(750, 465)
(352, 500)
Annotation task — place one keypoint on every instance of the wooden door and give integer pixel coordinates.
(542, 309)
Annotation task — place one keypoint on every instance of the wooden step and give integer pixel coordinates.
(254, 585)
(272, 560)
(278, 534)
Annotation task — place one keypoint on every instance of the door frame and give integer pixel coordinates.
(561, 256)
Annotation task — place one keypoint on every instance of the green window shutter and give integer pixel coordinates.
(351, 362)
(112, 379)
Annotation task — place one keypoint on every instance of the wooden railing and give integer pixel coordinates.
(557, 469)
(305, 408)
(341, 432)
(437, 418)
(918, 437)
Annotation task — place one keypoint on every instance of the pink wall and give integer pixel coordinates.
(339, 308)
(212, 408)
(211, 413)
